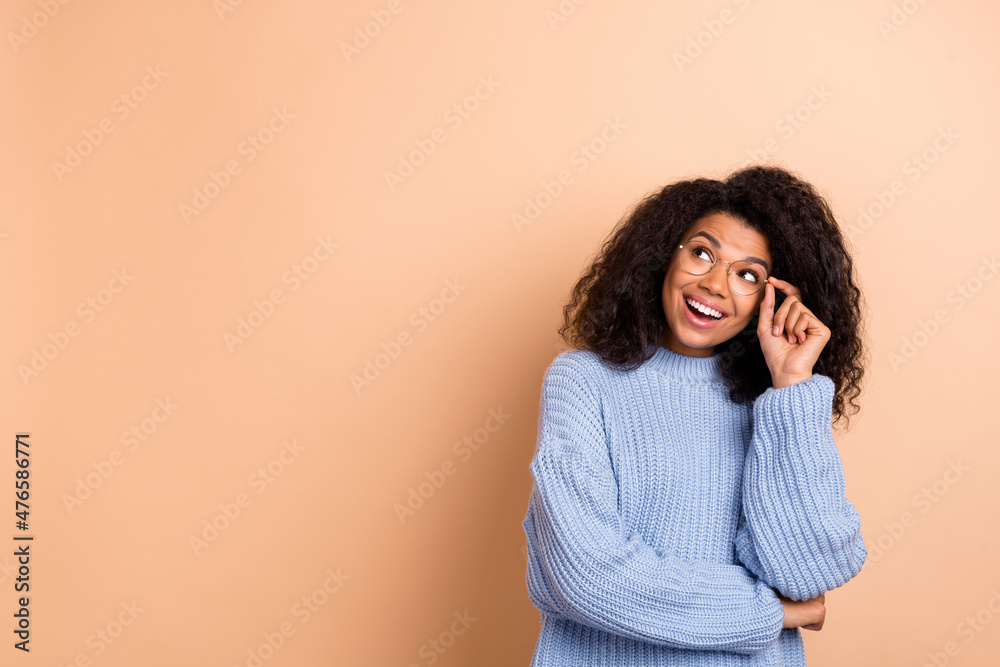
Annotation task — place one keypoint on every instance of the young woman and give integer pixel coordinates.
(688, 501)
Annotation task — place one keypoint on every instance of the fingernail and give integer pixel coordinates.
(776, 331)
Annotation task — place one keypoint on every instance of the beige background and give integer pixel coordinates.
(848, 94)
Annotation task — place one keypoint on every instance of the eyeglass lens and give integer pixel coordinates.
(745, 278)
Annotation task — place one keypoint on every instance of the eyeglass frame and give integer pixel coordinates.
(729, 270)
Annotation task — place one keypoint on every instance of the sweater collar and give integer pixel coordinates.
(682, 366)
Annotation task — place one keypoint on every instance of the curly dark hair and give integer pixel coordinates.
(616, 309)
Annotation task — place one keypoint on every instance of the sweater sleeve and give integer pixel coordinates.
(798, 531)
(584, 567)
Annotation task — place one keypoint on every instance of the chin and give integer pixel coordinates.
(703, 344)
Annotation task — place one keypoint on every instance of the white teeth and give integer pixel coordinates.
(704, 309)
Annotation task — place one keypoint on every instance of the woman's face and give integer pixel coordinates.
(690, 332)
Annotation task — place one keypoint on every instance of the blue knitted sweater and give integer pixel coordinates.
(664, 519)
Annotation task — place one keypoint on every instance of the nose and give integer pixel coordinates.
(717, 278)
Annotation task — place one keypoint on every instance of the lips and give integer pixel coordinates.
(705, 302)
(698, 320)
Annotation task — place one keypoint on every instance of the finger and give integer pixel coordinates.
(781, 314)
(789, 323)
(806, 323)
(785, 286)
(766, 313)
(797, 323)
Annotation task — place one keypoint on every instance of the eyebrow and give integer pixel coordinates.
(718, 246)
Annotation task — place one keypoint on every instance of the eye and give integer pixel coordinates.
(752, 276)
(702, 253)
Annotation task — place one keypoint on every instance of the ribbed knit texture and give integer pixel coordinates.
(663, 517)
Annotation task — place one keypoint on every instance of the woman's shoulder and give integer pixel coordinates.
(579, 360)
(581, 366)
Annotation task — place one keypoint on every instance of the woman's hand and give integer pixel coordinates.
(808, 614)
(792, 337)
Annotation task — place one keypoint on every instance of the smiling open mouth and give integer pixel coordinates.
(702, 312)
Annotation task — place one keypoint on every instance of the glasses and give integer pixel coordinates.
(744, 278)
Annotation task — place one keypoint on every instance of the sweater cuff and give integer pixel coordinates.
(774, 610)
(800, 411)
